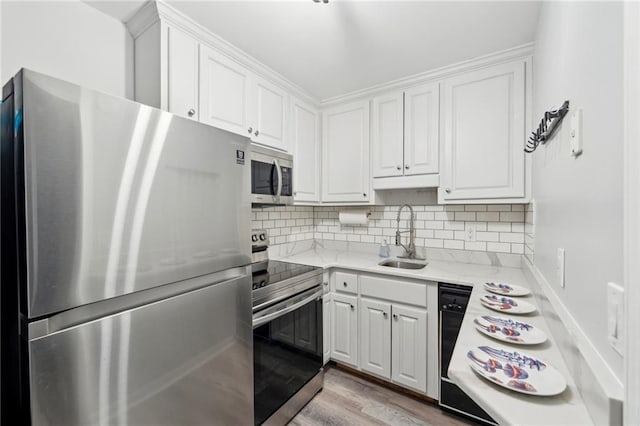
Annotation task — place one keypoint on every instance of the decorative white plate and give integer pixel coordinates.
(508, 289)
(508, 330)
(516, 371)
(506, 304)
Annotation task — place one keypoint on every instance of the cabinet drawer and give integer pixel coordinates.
(394, 289)
(346, 282)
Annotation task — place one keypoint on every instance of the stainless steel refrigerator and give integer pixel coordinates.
(125, 286)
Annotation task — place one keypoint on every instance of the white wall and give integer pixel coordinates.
(68, 40)
(578, 56)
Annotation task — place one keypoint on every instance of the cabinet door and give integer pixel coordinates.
(409, 347)
(306, 151)
(421, 129)
(270, 105)
(387, 135)
(224, 92)
(483, 119)
(375, 337)
(182, 74)
(344, 333)
(345, 153)
(326, 327)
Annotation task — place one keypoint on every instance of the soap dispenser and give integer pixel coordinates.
(384, 249)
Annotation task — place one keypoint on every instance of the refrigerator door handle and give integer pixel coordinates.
(279, 170)
(284, 308)
(94, 311)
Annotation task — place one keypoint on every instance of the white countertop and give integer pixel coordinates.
(436, 270)
(505, 406)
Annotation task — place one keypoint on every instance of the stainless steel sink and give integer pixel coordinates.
(402, 264)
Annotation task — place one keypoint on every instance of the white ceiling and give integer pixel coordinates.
(340, 47)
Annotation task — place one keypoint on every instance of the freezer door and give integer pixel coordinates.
(122, 197)
(185, 360)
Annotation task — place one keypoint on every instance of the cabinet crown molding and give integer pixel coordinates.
(524, 51)
(158, 10)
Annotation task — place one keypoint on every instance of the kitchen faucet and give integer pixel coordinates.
(410, 250)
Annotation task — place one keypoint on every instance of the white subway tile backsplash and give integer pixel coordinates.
(466, 216)
(499, 207)
(499, 247)
(512, 237)
(512, 217)
(488, 216)
(475, 245)
(499, 228)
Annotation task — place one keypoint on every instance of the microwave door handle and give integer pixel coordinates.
(279, 171)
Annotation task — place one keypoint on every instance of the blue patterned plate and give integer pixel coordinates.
(508, 330)
(515, 371)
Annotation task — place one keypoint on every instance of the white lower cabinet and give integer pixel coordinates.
(375, 337)
(344, 329)
(386, 327)
(393, 342)
(409, 347)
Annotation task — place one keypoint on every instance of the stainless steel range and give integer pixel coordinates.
(287, 335)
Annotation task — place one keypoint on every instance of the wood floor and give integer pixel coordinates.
(350, 400)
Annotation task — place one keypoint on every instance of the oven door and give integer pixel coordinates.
(287, 350)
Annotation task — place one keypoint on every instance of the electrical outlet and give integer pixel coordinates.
(560, 267)
(470, 232)
(615, 316)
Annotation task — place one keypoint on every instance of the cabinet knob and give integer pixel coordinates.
(344, 283)
(325, 283)
(406, 166)
(257, 132)
(384, 314)
(191, 112)
(295, 193)
(364, 194)
(448, 190)
(352, 307)
(398, 167)
(395, 316)
(250, 129)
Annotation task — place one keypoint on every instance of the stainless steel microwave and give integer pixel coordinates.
(271, 176)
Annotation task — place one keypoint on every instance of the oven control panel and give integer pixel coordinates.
(259, 238)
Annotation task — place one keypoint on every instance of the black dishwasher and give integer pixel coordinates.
(452, 301)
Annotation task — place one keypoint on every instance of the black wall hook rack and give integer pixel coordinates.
(547, 127)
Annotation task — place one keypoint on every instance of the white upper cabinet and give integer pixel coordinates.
(405, 137)
(183, 71)
(305, 146)
(224, 92)
(234, 99)
(483, 135)
(421, 129)
(387, 135)
(345, 153)
(269, 116)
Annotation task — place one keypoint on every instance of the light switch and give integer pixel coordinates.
(576, 133)
(615, 316)
(560, 267)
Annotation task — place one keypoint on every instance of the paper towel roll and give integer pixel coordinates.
(354, 217)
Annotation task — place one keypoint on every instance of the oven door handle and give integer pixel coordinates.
(279, 171)
(260, 320)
